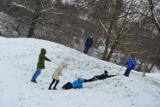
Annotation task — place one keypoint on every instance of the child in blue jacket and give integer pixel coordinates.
(76, 84)
(131, 64)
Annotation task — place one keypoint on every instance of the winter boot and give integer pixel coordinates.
(54, 88)
(34, 81)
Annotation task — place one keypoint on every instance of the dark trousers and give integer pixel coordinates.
(67, 86)
(127, 72)
(57, 81)
(90, 80)
(86, 49)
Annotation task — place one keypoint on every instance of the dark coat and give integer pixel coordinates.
(42, 58)
(103, 76)
(89, 42)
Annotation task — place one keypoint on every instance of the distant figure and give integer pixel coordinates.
(100, 77)
(88, 44)
(40, 65)
(56, 74)
(131, 64)
(144, 69)
(76, 84)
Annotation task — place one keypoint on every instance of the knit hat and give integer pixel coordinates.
(106, 72)
(80, 79)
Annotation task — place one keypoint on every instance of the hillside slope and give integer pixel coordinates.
(18, 59)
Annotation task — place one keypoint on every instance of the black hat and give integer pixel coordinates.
(132, 56)
(106, 72)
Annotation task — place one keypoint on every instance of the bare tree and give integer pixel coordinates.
(118, 24)
(37, 8)
(153, 14)
(35, 17)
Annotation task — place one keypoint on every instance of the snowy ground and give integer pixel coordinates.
(18, 59)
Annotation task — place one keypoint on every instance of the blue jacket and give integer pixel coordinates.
(131, 63)
(77, 84)
(89, 42)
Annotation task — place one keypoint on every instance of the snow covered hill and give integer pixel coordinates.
(18, 59)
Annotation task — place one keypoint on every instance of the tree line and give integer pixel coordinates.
(119, 26)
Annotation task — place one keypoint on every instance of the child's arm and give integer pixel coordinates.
(47, 59)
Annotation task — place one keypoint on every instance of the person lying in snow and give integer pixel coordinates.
(76, 84)
(99, 77)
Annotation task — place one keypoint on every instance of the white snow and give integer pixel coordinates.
(18, 59)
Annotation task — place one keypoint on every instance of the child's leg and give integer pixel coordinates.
(85, 49)
(67, 86)
(36, 74)
(51, 84)
(57, 81)
(90, 80)
(127, 72)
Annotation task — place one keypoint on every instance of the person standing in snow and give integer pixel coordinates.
(88, 44)
(76, 84)
(131, 64)
(40, 65)
(56, 75)
(99, 77)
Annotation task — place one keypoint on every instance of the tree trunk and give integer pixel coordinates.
(106, 49)
(111, 51)
(149, 70)
(32, 29)
(36, 15)
(107, 40)
(113, 19)
(153, 15)
(139, 67)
